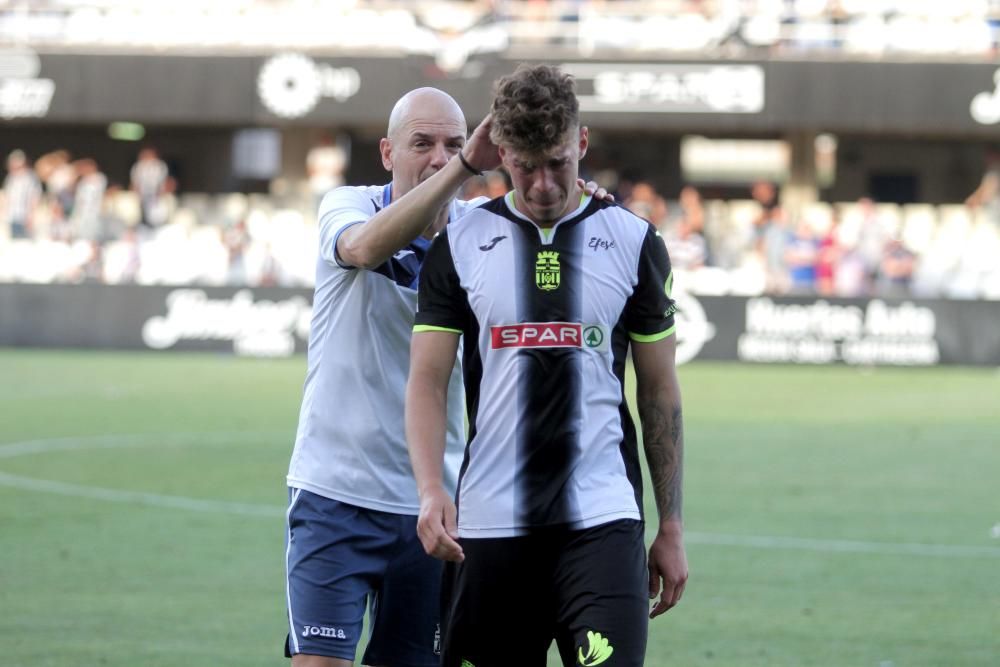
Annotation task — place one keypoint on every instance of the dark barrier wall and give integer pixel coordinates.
(777, 96)
(275, 322)
(259, 322)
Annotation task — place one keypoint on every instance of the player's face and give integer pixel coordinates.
(545, 186)
(422, 146)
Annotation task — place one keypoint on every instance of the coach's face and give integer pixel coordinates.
(430, 131)
(545, 187)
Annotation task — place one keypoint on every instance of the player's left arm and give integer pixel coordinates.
(649, 318)
(658, 397)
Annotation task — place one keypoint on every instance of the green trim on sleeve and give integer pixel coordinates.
(652, 338)
(418, 328)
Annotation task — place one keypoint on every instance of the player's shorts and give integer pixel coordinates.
(587, 589)
(341, 558)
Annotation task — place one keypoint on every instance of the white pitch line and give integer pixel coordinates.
(271, 511)
(139, 498)
(842, 546)
(109, 441)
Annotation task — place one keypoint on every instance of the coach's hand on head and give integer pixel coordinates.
(480, 153)
(437, 525)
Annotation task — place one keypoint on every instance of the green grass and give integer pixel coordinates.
(854, 464)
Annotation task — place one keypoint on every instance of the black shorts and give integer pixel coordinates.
(587, 589)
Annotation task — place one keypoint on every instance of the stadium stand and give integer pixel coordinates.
(268, 238)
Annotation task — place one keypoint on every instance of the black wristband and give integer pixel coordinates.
(465, 163)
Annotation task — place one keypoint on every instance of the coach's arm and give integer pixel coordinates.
(367, 246)
(432, 358)
(658, 397)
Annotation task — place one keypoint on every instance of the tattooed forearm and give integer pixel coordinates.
(663, 439)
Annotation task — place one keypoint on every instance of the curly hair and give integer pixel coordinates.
(534, 108)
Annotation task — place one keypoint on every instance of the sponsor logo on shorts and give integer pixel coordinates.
(598, 650)
(323, 631)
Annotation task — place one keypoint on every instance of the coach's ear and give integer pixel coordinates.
(385, 149)
(584, 141)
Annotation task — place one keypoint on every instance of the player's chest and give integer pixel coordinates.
(579, 274)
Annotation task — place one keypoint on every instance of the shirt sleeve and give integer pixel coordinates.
(442, 304)
(340, 209)
(649, 312)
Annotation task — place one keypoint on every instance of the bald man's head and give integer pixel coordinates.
(423, 104)
(426, 129)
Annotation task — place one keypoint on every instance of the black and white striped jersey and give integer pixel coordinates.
(547, 316)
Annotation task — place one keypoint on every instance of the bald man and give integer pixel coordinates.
(351, 538)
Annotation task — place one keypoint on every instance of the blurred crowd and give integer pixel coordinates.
(61, 221)
(454, 29)
(847, 249)
(755, 245)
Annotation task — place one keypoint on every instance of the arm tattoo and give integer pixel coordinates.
(663, 440)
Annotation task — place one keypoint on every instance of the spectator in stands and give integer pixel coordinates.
(473, 188)
(687, 248)
(987, 195)
(86, 221)
(850, 278)
(801, 254)
(688, 208)
(149, 178)
(895, 270)
(132, 257)
(236, 239)
(58, 175)
(772, 250)
(828, 258)
(325, 165)
(497, 184)
(22, 193)
(765, 193)
(873, 237)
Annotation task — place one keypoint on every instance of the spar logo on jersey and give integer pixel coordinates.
(547, 270)
(549, 335)
(537, 334)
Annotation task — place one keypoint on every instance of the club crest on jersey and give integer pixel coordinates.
(547, 270)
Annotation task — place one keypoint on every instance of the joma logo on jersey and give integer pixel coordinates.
(542, 334)
(547, 270)
(320, 631)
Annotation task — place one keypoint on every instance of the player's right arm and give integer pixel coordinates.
(391, 229)
(432, 357)
(442, 313)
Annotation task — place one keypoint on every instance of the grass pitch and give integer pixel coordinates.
(835, 517)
